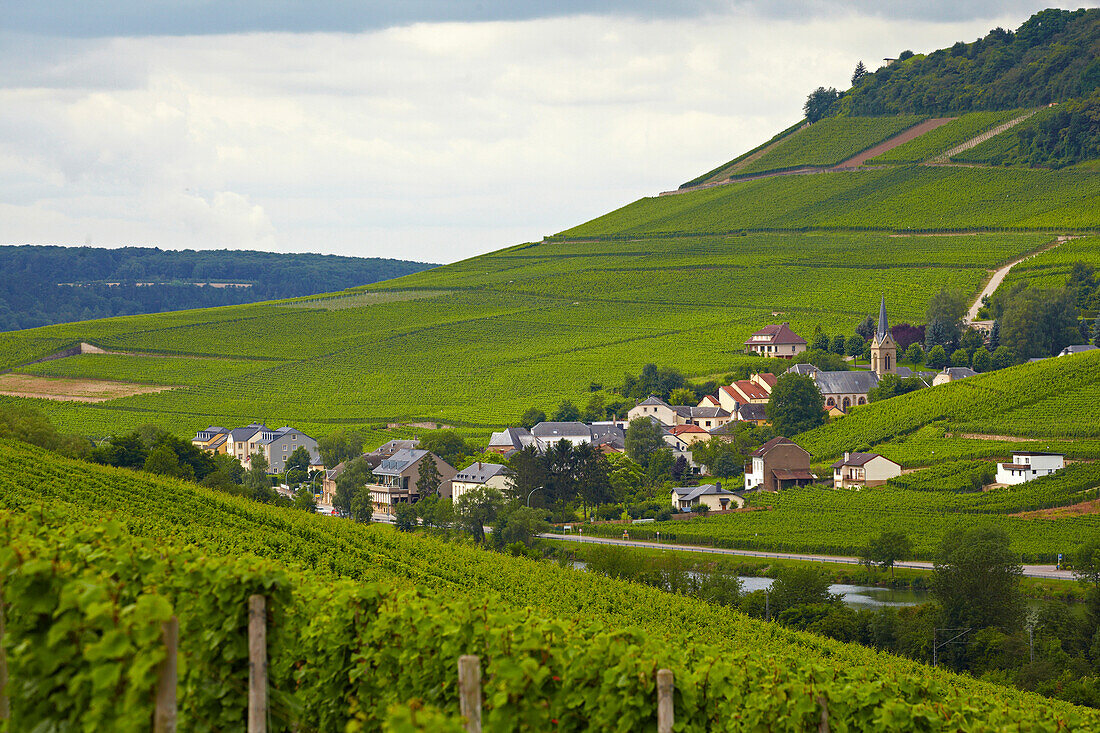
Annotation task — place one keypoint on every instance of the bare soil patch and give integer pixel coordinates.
(1061, 512)
(71, 390)
(900, 139)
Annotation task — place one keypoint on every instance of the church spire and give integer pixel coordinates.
(883, 326)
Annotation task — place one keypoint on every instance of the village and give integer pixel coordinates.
(401, 472)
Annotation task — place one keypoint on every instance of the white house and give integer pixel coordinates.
(480, 474)
(863, 469)
(952, 374)
(552, 432)
(660, 410)
(1028, 466)
(712, 496)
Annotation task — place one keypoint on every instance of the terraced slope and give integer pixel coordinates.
(939, 141)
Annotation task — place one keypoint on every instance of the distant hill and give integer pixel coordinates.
(47, 284)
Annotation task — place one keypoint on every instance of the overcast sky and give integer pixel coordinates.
(430, 129)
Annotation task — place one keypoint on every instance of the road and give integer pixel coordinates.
(1030, 571)
(999, 276)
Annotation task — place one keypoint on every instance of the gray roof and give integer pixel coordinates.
(846, 382)
(272, 436)
(690, 493)
(752, 411)
(708, 412)
(682, 410)
(511, 436)
(651, 400)
(883, 326)
(959, 372)
(393, 446)
(926, 377)
(558, 430)
(481, 472)
(399, 462)
(612, 435)
(245, 433)
(803, 369)
(1076, 349)
(858, 459)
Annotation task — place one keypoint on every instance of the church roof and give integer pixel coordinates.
(883, 325)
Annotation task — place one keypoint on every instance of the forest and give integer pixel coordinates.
(49, 284)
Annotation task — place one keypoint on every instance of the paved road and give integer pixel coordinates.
(999, 276)
(1030, 571)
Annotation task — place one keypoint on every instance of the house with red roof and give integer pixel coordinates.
(690, 433)
(777, 340)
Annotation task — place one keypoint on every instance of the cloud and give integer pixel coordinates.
(82, 19)
(432, 141)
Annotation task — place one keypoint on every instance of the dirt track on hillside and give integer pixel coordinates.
(889, 144)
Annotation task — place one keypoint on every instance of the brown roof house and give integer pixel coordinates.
(863, 469)
(778, 464)
(395, 479)
(777, 341)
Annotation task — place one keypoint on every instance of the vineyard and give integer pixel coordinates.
(942, 139)
(362, 621)
(822, 520)
(828, 142)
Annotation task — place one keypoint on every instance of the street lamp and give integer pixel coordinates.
(529, 495)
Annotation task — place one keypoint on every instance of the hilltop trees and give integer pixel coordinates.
(820, 103)
(795, 405)
(1040, 322)
(859, 74)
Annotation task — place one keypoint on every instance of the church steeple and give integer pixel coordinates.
(884, 351)
(883, 326)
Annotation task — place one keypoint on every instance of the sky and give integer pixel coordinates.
(431, 130)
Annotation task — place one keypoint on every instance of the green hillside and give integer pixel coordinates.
(943, 139)
(530, 325)
(110, 553)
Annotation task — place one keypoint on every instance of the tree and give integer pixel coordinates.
(887, 548)
(682, 396)
(567, 412)
(428, 481)
(1039, 323)
(643, 438)
(867, 328)
(945, 310)
(971, 340)
(448, 445)
(305, 500)
(228, 474)
(477, 508)
(995, 335)
(914, 354)
(839, 345)
(799, 585)
(532, 417)
(960, 358)
(520, 524)
(299, 459)
(351, 498)
(596, 409)
(659, 466)
(21, 422)
(124, 451)
(905, 335)
(859, 74)
(162, 460)
(937, 357)
(819, 103)
(404, 517)
(820, 341)
(891, 385)
(976, 579)
(826, 361)
(721, 457)
(592, 472)
(257, 482)
(679, 468)
(530, 473)
(338, 447)
(1003, 357)
(981, 361)
(795, 405)
(856, 345)
(1095, 332)
(361, 508)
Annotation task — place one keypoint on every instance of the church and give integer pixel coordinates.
(844, 390)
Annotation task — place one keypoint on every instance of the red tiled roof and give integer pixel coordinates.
(759, 452)
(686, 429)
(749, 390)
(711, 401)
(785, 474)
(780, 334)
(768, 377)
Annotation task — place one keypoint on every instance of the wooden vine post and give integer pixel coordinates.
(469, 691)
(257, 664)
(5, 711)
(665, 711)
(164, 718)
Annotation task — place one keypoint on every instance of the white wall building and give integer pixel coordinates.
(1028, 466)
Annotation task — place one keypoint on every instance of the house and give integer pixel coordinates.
(681, 447)
(512, 440)
(778, 464)
(845, 389)
(394, 481)
(690, 434)
(278, 445)
(712, 496)
(388, 449)
(742, 391)
(863, 469)
(212, 440)
(609, 437)
(753, 413)
(776, 341)
(709, 417)
(240, 442)
(328, 482)
(480, 474)
(709, 401)
(1076, 349)
(667, 414)
(552, 432)
(1028, 466)
(952, 374)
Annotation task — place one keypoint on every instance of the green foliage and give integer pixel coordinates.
(429, 479)
(795, 405)
(448, 445)
(339, 446)
(1048, 59)
(404, 517)
(937, 357)
(477, 508)
(1054, 138)
(891, 385)
(820, 103)
(1039, 323)
(567, 412)
(826, 361)
(799, 585)
(982, 361)
(960, 358)
(976, 580)
(532, 417)
(942, 139)
(643, 439)
(25, 423)
(887, 548)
